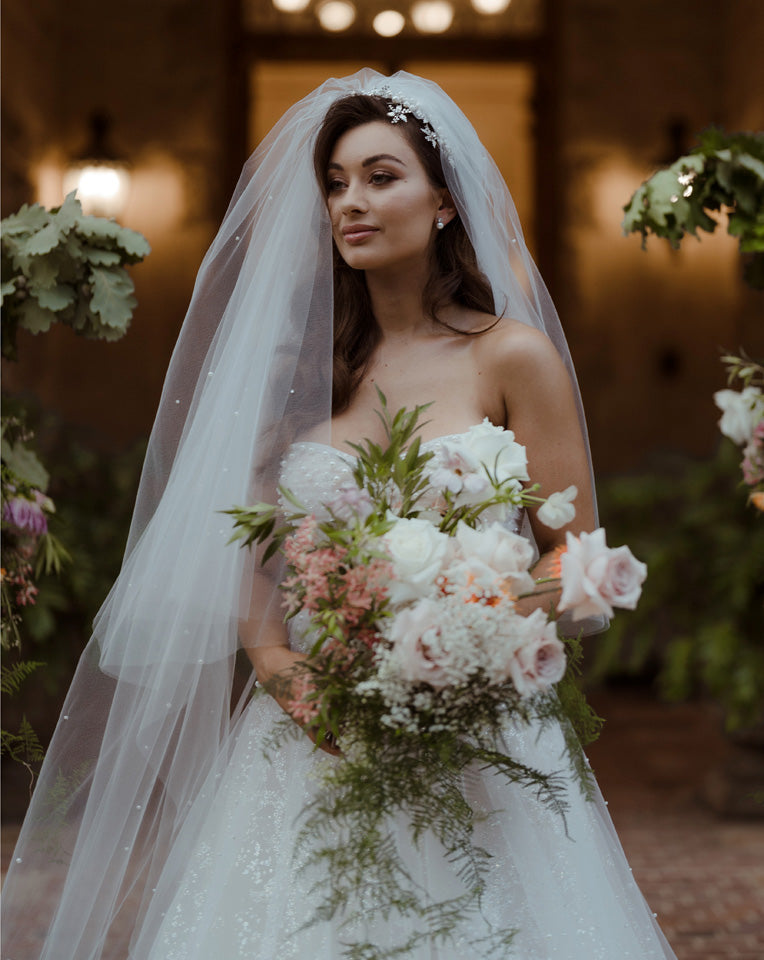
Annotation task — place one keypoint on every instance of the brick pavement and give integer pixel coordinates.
(702, 875)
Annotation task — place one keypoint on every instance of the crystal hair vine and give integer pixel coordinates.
(401, 108)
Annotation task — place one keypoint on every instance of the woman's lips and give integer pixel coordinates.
(357, 232)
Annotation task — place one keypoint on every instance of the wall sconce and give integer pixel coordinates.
(100, 177)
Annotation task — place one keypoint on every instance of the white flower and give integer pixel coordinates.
(497, 450)
(418, 551)
(540, 660)
(558, 509)
(351, 502)
(455, 469)
(741, 410)
(509, 554)
(416, 639)
(596, 578)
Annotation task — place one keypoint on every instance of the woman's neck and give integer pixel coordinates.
(396, 299)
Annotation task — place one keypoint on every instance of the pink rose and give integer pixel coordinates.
(415, 636)
(540, 661)
(596, 578)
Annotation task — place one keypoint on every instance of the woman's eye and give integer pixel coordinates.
(381, 177)
(334, 185)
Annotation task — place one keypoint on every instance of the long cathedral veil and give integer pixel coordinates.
(149, 714)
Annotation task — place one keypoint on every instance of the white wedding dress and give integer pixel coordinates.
(232, 890)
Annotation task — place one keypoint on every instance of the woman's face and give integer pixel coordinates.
(382, 205)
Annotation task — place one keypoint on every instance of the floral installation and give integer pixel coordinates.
(743, 420)
(29, 548)
(408, 589)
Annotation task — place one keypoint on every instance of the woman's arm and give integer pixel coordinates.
(264, 639)
(541, 410)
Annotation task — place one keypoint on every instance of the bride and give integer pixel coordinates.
(371, 243)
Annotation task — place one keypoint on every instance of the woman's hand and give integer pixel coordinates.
(278, 669)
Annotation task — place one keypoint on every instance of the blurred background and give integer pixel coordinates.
(579, 101)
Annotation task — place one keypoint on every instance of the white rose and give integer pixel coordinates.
(741, 410)
(415, 636)
(558, 509)
(509, 554)
(596, 578)
(497, 450)
(539, 661)
(417, 551)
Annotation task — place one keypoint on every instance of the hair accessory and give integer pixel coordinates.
(399, 110)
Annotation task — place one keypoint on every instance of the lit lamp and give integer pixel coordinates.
(101, 179)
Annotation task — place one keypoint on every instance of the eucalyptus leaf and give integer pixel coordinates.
(99, 227)
(25, 466)
(133, 243)
(43, 271)
(100, 257)
(7, 289)
(41, 242)
(28, 219)
(112, 296)
(53, 298)
(69, 213)
(33, 317)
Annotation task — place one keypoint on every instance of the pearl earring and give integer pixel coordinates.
(439, 224)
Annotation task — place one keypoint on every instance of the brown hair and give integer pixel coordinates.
(455, 277)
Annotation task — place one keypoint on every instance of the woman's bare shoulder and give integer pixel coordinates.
(514, 349)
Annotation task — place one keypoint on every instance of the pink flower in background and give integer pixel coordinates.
(753, 457)
(596, 578)
(27, 514)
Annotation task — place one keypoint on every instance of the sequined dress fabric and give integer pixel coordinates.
(233, 889)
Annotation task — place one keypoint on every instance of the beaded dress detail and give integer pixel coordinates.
(233, 890)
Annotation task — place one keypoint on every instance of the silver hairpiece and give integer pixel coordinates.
(401, 108)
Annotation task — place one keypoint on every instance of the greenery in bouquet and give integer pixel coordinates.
(62, 266)
(407, 586)
(724, 173)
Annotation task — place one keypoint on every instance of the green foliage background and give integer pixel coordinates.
(699, 626)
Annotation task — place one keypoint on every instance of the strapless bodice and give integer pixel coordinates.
(314, 471)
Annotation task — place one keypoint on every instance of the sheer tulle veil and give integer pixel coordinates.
(150, 715)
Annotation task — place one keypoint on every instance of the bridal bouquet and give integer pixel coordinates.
(409, 586)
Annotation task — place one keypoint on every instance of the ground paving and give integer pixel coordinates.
(703, 875)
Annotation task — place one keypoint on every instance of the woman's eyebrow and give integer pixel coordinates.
(333, 165)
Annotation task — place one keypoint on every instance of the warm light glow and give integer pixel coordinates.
(489, 6)
(336, 15)
(290, 6)
(101, 187)
(432, 16)
(389, 23)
